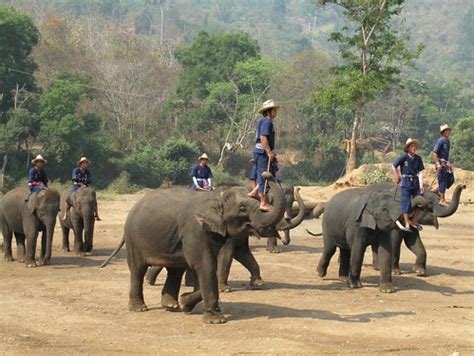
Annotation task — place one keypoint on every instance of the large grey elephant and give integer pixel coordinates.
(26, 220)
(178, 228)
(412, 239)
(354, 219)
(240, 249)
(81, 219)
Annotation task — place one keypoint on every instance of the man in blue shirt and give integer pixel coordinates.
(37, 178)
(264, 155)
(443, 167)
(411, 178)
(202, 174)
(81, 177)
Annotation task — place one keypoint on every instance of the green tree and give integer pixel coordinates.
(463, 143)
(372, 52)
(18, 36)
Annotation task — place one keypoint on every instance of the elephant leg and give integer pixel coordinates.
(225, 256)
(152, 274)
(247, 259)
(20, 247)
(329, 250)
(385, 263)
(207, 276)
(189, 278)
(344, 264)
(31, 239)
(78, 244)
(188, 301)
(272, 245)
(170, 292)
(137, 273)
(375, 256)
(357, 258)
(396, 238)
(414, 243)
(65, 232)
(7, 243)
(43, 248)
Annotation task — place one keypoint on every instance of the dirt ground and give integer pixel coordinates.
(73, 306)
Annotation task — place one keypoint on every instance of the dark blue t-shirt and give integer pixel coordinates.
(441, 148)
(201, 172)
(265, 128)
(37, 176)
(409, 167)
(79, 176)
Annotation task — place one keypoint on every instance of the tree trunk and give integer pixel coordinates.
(2, 173)
(351, 162)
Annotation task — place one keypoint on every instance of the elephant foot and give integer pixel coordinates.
(396, 271)
(354, 283)
(273, 249)
(188, 301)
(8, 259)
(169, 302)
(31, 264)
(343, 278)
(420, 271)
(214, 317)
(225, 288)
(321, 272)
(21, 260)
(256, 282)
(137, 307)
(66, 249)
(44, 262)
(386, 288)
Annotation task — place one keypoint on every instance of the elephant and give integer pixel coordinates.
(354, 219)
(240, 249)
(26, 219)
(178, 228)
(412, 239)
(81, 219)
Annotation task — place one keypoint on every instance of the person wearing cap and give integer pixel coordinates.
(442, 165)
(81, 177)
(202, 174)
(37, 177)
(264, 155)
(411, 178)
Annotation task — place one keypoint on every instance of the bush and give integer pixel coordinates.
(122, 185)
(463, 144)
(172, 163)
(376, 175)
(221, 176)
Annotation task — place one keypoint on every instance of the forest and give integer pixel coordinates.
(142, 87)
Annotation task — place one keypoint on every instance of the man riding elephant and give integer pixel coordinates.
(37, 177)
(202, 174)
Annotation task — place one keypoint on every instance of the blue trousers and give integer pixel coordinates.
(37, 188)
(406, 193)
(260, 166)
(445, 180)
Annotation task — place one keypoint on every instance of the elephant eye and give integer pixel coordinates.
(242, 209)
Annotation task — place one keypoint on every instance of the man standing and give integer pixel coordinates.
(264, 154)
(442, 165)
(202, 174)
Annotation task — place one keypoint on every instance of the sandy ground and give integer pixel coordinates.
(73, 306)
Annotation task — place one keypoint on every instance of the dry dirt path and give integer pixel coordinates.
(72, 306)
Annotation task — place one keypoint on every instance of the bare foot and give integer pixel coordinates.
(443, 203)
(265, 207)
(253, 195)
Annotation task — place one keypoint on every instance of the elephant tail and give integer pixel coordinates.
(120, 245)
(313, 234)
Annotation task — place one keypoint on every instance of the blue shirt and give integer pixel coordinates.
(36, 176)
(201, 172)
(441, 148)
(265, 128)
(409, 167)
(79, 176)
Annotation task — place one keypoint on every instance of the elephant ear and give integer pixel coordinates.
(76, 203)
(365, 217)
(209, 216)
(31, 205)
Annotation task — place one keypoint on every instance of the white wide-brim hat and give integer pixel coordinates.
(444, 127)
(83, 159)
(269, 104)
(203, 156)
(411, 141)
(38, 158)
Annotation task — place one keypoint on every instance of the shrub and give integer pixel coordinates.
(376, 175)
(222, 176)
(122, 185)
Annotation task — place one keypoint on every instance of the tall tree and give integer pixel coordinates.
(18, 36)
(373, 52)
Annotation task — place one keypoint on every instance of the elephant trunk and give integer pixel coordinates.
(288, 224)
(89, 221)
(49, 224)
(272, 217)
(445, 211)
(286, 240)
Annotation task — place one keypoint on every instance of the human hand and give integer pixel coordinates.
(398, 179)
(271, 155)
(422, 189)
